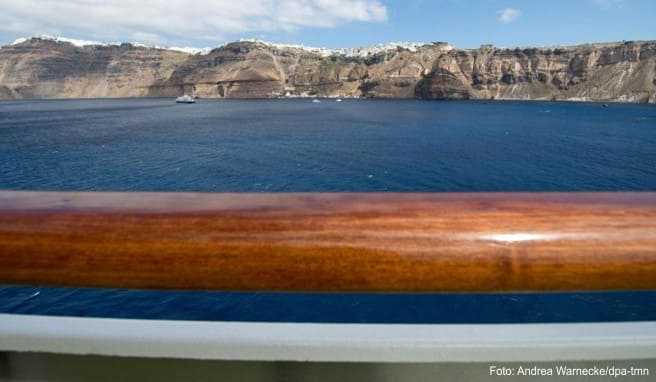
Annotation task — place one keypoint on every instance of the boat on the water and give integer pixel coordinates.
(338, 100)
(185, 99)
(316, 101)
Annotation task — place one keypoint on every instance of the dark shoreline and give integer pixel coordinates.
(480, 100)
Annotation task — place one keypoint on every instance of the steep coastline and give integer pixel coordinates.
(610, 72)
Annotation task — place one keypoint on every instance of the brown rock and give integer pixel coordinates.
(40, 68)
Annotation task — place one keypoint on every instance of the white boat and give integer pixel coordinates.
(316, 101)
(338, 100)
(185, 99)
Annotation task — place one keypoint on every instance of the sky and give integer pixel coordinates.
(332, 23)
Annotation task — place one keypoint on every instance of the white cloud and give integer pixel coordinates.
(179, 21)
(508, 15)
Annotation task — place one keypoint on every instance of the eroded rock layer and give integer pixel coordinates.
(41, 68)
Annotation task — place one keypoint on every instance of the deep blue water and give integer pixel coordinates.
(354, 308)
(296, 145)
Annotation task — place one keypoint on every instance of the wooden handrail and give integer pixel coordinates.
(330, 242)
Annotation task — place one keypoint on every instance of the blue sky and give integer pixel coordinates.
(469, 23)
(333, 23)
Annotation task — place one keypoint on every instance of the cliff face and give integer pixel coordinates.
(40, 68)
(48, 69)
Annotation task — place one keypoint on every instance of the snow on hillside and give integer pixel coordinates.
(83, 43)
(349, 52)
(186, 49)
(75, 42)
(325, 52)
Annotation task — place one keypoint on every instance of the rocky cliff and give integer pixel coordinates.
(43, 68)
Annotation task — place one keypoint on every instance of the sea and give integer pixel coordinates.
(295, 145)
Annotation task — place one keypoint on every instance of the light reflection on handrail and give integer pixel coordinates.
(331, 242)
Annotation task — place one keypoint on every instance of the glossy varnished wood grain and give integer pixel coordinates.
(330, 242)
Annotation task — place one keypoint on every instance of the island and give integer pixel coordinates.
(47, 67)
